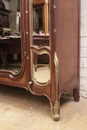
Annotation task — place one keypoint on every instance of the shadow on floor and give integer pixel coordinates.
(22, 94)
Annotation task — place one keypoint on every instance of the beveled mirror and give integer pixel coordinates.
(40, 42)
(10, 36)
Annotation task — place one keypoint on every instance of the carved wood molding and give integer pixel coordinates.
(38, 2)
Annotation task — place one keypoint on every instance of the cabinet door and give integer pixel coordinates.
(39, 46)
(13, 43)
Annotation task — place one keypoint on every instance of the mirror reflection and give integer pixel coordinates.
(40, 56)
(41, 17)
(41, 67)
(10, 35)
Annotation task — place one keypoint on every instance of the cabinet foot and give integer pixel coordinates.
(55, 110)
(76, 94)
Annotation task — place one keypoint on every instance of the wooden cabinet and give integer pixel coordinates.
(60, 74)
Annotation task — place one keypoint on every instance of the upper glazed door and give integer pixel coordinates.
(40, 44)
(12, 38)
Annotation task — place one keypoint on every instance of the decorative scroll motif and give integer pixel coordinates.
(41, 50)
(55, 108)
(30, 87)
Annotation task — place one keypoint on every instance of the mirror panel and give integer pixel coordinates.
(40, 42)
(10, 36)
(41, 67)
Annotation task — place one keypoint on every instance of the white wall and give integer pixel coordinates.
(83, 53)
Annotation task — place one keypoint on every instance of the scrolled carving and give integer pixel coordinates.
(55, 108)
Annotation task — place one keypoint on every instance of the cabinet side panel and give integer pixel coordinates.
(67, 38)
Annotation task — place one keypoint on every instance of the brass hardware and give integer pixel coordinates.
(54, 6)
(56, 62)
(24, 43)
(55, 108)
(24, 53)
(24, 37)
(26, 11)
(27, 57)
(54, 30)
(29, 85)
(26, 33)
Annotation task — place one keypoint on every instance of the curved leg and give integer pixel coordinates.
(76, 94)
(55, 110)
(55, 104)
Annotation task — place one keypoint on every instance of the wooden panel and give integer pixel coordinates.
(37, 2)
(67, 38)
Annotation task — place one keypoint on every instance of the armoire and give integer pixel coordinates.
(40, 48)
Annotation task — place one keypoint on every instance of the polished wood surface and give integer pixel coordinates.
(37, 2)
(41, 40)
(67, 43)
(64, 45)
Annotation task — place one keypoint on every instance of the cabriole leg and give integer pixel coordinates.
(55, 105)
(55, 110)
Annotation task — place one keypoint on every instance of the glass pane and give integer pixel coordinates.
(41, 68)
(10, 35)
(40, 45)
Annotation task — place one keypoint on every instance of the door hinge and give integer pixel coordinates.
(24, 53)
(25, 46)
(26, 11)
(54, 6)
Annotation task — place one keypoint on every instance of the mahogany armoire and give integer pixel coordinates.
(39, 48)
